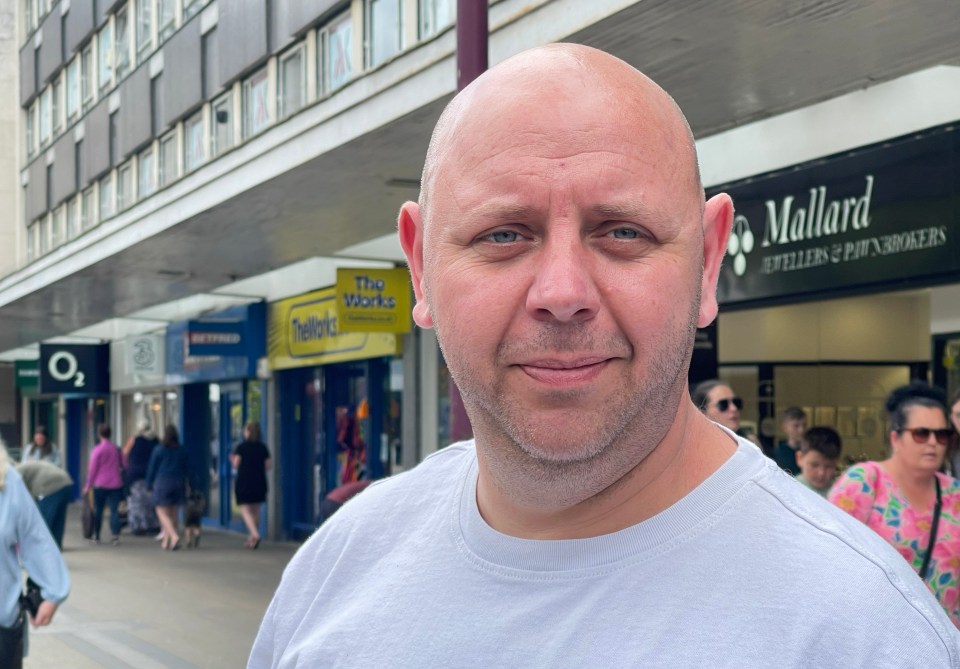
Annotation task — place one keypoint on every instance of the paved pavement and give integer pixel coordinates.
(137, 606)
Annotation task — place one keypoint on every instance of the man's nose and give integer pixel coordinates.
(564, 287)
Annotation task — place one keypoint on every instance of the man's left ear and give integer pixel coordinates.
(717, 219)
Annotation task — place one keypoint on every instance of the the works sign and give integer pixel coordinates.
(882, 214)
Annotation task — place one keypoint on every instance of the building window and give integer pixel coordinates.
(73, 218)
(382, 30)
(45, 118)
(44, 231)
(339, 39)
(209, 63)
(105, 57)
(147, 171)
(221, 125)
(169, 164)
(256, 103)
(106, 197)
(144, 29)
(28, 24)
(125, 194)
(31, 131)
(166, 18)
(191, 8)
(293, 82)
(55, 105)
(123, 43)
(33, 238)
(73, 89)
(435, 15)
(193, 142)
(86, 209)
(57, 227)
(86, 77)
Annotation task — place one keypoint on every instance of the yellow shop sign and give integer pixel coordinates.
(305, 331)
(373, 300)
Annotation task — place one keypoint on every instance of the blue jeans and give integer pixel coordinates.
(53, 508)
(102, 497)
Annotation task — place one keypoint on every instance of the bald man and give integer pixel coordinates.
(564, 254)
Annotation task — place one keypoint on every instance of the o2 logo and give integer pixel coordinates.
(63, 367)
(740, 243)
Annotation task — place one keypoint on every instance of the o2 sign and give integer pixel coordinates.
(75, 368)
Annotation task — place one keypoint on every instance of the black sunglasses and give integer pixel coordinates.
(921, 435)
(723, 405)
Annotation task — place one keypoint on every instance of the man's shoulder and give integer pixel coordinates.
(840, 555)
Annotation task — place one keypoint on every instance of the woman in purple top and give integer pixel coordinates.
(105, 477)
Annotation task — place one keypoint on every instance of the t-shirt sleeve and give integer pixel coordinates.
(855, 492)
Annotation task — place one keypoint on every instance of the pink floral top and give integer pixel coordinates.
(869, 494)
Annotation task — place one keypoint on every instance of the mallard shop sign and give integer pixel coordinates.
(889, 213)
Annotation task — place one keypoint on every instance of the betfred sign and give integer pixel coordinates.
(215, 338)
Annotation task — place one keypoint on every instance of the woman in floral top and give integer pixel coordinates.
(897, 497)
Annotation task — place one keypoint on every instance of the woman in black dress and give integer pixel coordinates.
(251, 460)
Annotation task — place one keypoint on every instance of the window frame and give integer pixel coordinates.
(105, 69)
(146, 174)
(227, 100)
(31, 129)
(163, 173)
(44, 233)
(426, 30)
(33, 238)
(331, 29)
(72, 228)
(252, 95)
(123, 43)
(192, 7)
(370, 33)
(87, 217)
(106, 183)
(72, 72)
(299, 51)
(44, 119)
(190, 123)
(164, 30)
(88, 78)
(144, 47)
(126, 186)
(56, 106)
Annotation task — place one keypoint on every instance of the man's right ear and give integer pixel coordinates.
(410, 228)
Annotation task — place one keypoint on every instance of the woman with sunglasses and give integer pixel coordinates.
(906, 499)
(720, 404)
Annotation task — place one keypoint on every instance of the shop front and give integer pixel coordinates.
(339, 393)
(211, 368)
(72, 400)
(138, 381)
(834, 289)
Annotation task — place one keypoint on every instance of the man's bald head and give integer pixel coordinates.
(548, 76)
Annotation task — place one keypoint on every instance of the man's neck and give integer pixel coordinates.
(690, 452)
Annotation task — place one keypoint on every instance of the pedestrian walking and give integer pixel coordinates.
(105, 478)
(251, 460)
(41, 448)
(167, 477)
(141, 516)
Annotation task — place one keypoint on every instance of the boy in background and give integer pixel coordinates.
(794, 423)
(817, 458)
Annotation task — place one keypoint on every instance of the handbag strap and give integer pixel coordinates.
(933, 530)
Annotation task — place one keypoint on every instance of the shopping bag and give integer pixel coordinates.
(87, 517)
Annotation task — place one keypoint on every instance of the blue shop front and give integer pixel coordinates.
(213, 360)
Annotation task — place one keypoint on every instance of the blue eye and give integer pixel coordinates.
(503, 236)
(625, 233)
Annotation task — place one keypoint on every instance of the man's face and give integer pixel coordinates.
(817, 468)
(794, 429)
(562, 272)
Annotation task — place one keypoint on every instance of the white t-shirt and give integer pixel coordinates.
(750, 569)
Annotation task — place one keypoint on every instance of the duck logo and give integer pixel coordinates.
(740, 243)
